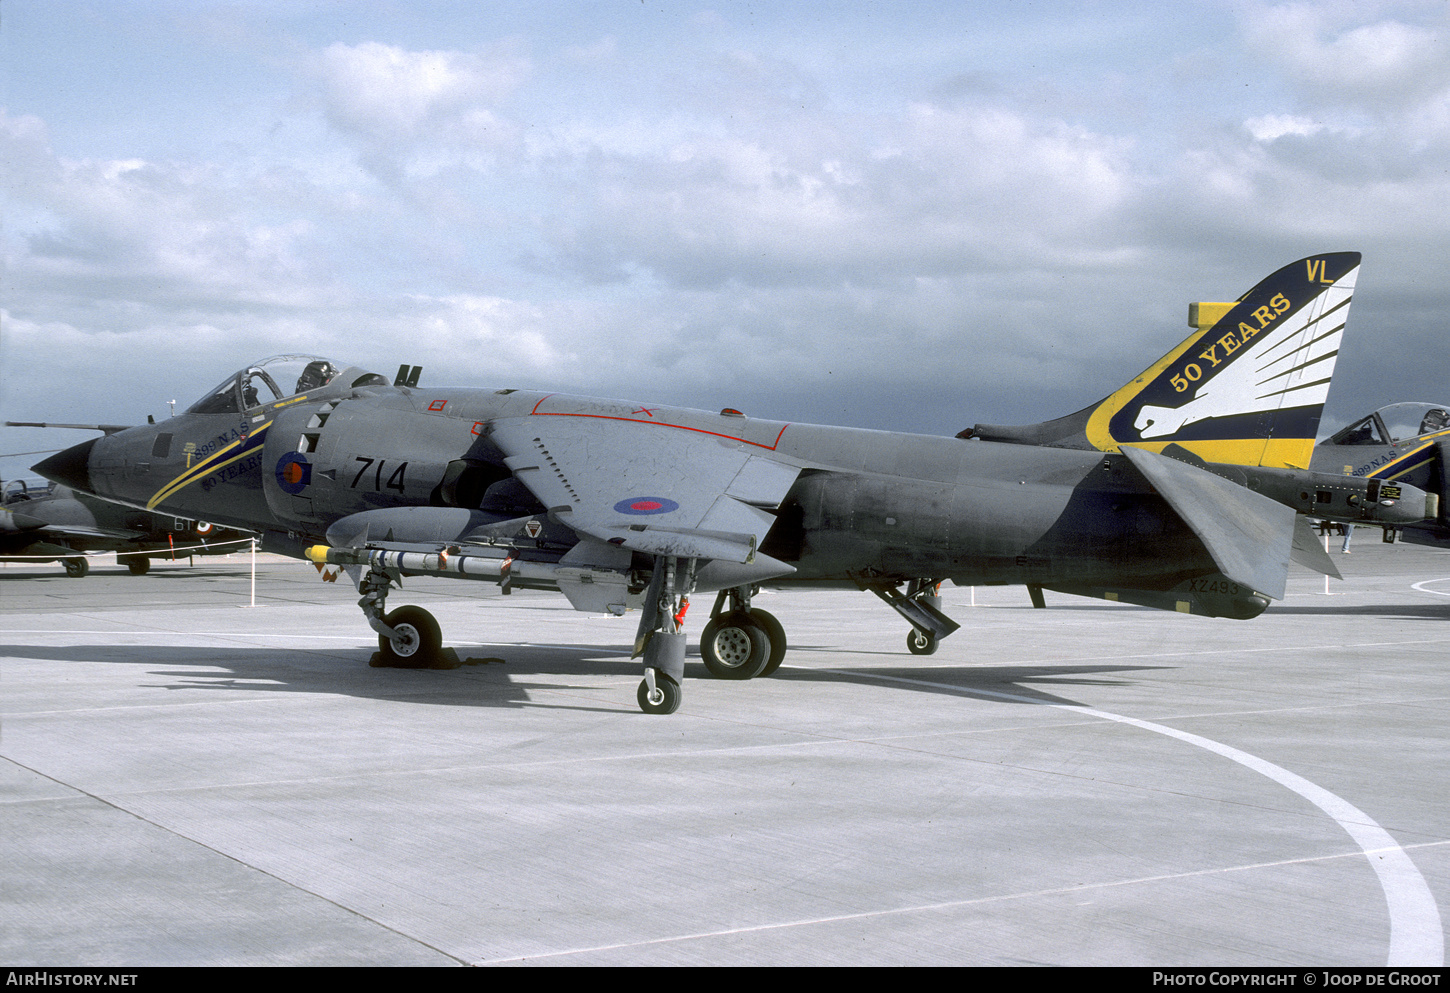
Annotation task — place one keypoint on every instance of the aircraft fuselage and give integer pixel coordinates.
(867, 505)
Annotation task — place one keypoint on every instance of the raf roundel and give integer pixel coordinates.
(645, 505)
(294, 472)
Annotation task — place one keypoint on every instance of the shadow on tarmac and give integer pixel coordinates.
(498, 675)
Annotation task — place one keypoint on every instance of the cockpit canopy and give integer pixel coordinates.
(21, 490)
(1395, 424)
(273, 379)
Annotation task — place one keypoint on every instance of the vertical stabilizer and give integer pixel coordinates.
(1247, 389)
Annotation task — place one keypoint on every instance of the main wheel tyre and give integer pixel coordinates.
(921, 642)
(776, 634)
(733, 646)
(138, 565)
(76, 568)
(666, 697)
(416, 638)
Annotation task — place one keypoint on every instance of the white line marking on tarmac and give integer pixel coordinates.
(1416, 937)
(1421, 586)
(925, 907)
(1416, 934)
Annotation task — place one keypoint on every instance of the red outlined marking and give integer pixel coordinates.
(477, 427)
(438, 405)
(536, 412)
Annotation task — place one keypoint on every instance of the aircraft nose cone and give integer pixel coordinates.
(70, 467)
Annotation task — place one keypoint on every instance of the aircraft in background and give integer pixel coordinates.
(1397, 445)
(46, 522)
(621, 504)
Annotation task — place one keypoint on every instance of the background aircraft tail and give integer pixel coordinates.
(1247, 389)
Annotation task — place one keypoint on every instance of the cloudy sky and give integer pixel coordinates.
(895, 215)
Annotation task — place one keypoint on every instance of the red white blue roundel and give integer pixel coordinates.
(644, 505)
(294, 472)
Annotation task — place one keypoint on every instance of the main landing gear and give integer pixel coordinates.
(741, 642)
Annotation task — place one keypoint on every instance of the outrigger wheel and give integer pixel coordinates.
(416, 638)
(138, 565)
(919, 642)
(76, 568)
(663, 699)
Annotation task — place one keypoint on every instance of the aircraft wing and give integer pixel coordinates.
(80, 536)
(19, 522)
(657, 488)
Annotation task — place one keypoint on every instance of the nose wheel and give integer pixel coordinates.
(415, 641)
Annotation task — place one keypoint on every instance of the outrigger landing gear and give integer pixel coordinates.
(921, 606)
(661, 638)
(409, 637)
(741, 642)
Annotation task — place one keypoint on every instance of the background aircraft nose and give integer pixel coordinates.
(70, 467)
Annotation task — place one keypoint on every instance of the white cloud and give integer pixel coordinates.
(1382, 62)
(384, 91)
(1272, 126)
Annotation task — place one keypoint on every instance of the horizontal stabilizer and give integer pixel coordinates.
(1249, 536)
(1309, 553)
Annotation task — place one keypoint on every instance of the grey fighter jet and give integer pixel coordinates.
(1402, 444)
(49, 523)
(1181, 495)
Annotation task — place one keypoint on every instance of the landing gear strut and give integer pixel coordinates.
(741, 642)
(409, 637)
(921, 606)
(661, 638)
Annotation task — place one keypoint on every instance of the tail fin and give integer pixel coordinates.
(1248, 389)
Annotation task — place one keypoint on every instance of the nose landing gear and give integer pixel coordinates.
(409, 637)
